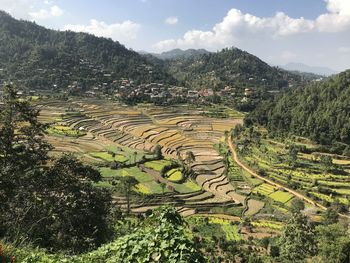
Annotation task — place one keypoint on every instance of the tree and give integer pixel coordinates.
(237, 130)
(126, 183)
(333, 243)
(54, 206)
(330, 216)
(327, 163)
(163, 186)
(71, 213)
(293, 155)
(297, 205)
(346, 151)
(297, 239)
(157, 151)
(22, 148)
(189, 159)
(21, 134)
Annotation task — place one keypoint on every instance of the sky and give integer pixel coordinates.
(313, 32)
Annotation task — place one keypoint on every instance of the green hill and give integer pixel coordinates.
(229, 67)
(37, 57)
(320, 111)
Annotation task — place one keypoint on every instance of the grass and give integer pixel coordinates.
(157, 165)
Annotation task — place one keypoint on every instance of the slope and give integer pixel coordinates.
(40, 58)
(229, 67)
(320, 111)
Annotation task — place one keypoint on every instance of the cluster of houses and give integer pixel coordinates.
(155, 92)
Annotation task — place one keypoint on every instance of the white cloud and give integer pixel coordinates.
(288, 55)
(30, 9)
(122, 32)
(344, 49)
(18, 8)
(236, 26)
(173, 20)
(54, 11)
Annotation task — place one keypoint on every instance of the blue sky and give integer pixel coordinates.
(315, 32)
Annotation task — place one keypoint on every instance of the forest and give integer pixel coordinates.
(61, 58)
(320, 111)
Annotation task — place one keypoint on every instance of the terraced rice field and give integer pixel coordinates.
(268, 224)
(134, 132)
(157, 165)
(308, 173)
(280, 196)
(174, 175)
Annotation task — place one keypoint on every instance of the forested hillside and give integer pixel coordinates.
(229, 67)
(320, 111)
(179, 53)
(40, 58)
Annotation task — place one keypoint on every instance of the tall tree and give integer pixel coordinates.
(297, 239)
(56, 206)
(126, 184)
(333, 243)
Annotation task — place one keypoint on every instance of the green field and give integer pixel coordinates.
(306, 173)
(280, 196)
(157, 165)
(187, 187)
(174, 175)
(64, 131)
(231, 231)
(147, 184)
(105, 156)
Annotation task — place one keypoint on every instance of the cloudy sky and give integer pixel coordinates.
(314, 32)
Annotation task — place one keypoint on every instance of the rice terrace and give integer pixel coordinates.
(193, 169)
(174, 132)
(104, 133)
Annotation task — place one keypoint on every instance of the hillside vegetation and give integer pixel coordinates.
(229, 67)
(320, 111)
(40, 58)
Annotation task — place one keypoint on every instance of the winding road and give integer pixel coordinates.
(269, 181)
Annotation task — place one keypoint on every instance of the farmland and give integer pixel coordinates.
(151, 144)
(122, 142)
(297, 165)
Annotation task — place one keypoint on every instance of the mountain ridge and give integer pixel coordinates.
(301, 67)
(38, 57)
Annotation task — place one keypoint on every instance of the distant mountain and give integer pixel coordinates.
(320, 111)
(324, 71)
(229, 67)
(179, 53)
(37, 57)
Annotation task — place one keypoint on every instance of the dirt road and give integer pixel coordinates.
(266, 180)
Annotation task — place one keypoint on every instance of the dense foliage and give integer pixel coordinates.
(161, 238)
(320, 111)
(41, 58)
(50, 204)
(228, 67)
(178, 53)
